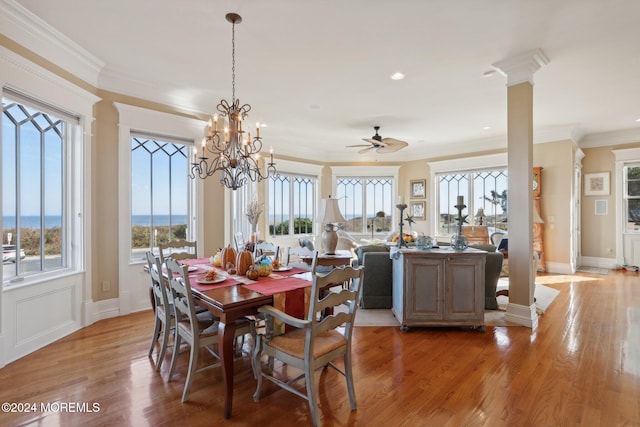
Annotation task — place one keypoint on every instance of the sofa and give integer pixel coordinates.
(377, 280)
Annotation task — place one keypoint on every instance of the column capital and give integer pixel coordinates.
(520, 68)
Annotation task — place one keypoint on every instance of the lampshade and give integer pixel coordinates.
(330, 212)
(536, 217)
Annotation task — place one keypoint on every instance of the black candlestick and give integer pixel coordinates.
(401, 207)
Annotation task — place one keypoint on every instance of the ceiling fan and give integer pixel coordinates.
(380, 144)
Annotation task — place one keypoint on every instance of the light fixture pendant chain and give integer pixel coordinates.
(233, 63)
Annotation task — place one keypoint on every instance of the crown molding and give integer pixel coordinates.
(604, 139)
(28, 30)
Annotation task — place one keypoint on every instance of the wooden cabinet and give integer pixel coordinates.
(438, 287)
(476, 234)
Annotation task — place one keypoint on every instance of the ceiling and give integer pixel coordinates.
(318, 73)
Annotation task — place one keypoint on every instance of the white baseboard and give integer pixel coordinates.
(609, 263)
(106, 309)
(558, 268)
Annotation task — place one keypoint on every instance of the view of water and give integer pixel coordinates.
(54, 220)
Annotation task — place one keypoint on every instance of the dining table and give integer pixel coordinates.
(236, 297)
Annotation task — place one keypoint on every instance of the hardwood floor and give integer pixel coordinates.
(580, 367)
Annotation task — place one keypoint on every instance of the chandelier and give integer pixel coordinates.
(235, 152)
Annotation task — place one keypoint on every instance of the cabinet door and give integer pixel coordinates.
(424, 283)
(464, 288)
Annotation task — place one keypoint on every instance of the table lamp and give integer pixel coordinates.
(329, 215)
(480, 215)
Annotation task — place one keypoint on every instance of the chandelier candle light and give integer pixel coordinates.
(236, 152)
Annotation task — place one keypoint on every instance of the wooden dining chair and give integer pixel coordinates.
(178, 250)
(238, 238)
(266, 248)
(295, 255)
(198, 330)
(164, 314)
(318, 340)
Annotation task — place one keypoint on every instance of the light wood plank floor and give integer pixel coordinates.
(580, 367)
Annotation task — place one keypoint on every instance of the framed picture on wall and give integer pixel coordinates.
(417, 210)
(596, 184)
(419, 189)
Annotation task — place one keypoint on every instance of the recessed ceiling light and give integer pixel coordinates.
(486, 127)
(397, 76)
(637, 120)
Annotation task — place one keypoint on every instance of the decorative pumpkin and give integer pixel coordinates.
(244, 260)
(252, 273)
(227, 255)
(264, 267)
(215, 259)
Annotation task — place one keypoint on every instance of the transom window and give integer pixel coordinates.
(481, 189)
(35, 140)
(160, 208)
(292, 204)
(366, 203)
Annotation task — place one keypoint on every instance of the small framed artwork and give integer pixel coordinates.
(602, 207)
(419, 189)
(418, 210)
(596, 184)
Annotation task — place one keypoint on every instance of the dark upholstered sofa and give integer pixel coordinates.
(492, 269)
(377, 281)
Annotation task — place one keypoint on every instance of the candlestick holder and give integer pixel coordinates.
(458, 241)
(401, 207)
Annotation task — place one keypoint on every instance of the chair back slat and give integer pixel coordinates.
(178, 250)
(344, 302)
(181, 291)
(158, 283)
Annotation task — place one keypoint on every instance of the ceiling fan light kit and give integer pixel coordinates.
(380, 144)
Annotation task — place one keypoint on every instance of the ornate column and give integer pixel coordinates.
(519, 71)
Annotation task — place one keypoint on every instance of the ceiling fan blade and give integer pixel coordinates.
(359, 145)
(366, 149)
(397, 145)
(393, 141)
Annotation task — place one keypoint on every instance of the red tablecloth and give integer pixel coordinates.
(290, 294)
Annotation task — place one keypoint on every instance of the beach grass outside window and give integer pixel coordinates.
(160, 188)
(485, 189)
(361, 199)
(291, 204)
(36, 141)
(632, 197)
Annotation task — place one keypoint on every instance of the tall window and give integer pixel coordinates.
(366, 203)
(291, 206)
(159, 193)
(480, 189)
(632, 197)
(35, 138)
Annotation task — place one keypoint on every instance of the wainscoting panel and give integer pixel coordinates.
(39, 314)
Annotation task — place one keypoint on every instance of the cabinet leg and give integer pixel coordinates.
(404, 328)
